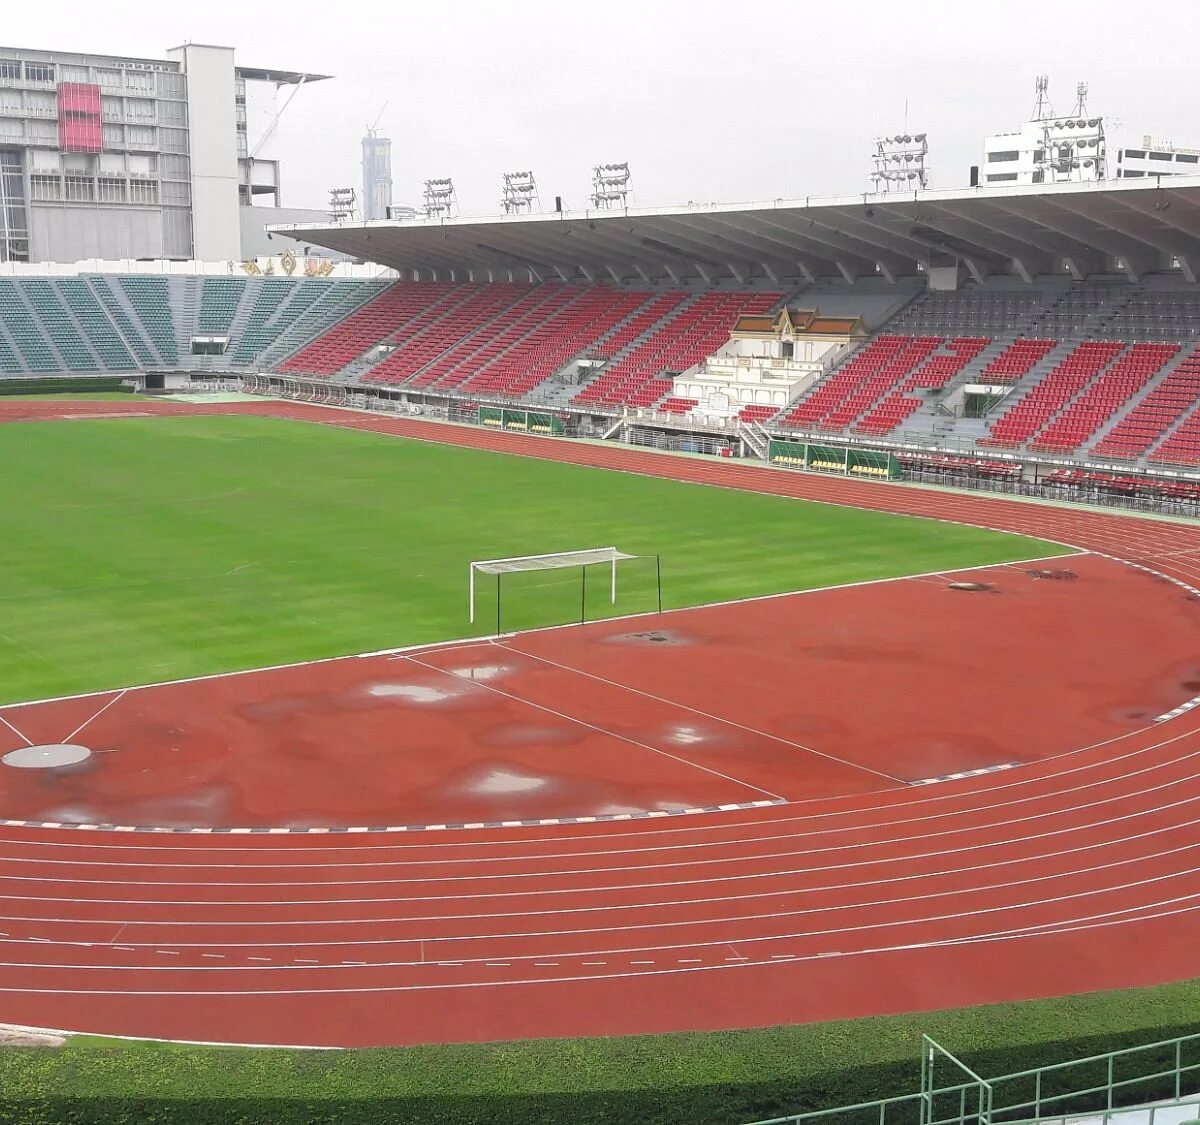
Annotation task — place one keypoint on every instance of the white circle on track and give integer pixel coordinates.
(46, 757)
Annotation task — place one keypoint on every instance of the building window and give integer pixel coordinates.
(43, 132)
(1135, 153)
(10, 68)
(79, 189)
(11, 129)
(1127, 174)
(1161, 155)
(45, 187)
(38, 104)
(140, 136)
(175, 168)
(139, 109)
(171, 85)
(1039, 177)
(140, 81)
(173, 140)
(111, 191)
(1187, 157)
(172, 113)
(1007, 154)
(39, 72)
(996, 177)
(176, 194)
(143, 191)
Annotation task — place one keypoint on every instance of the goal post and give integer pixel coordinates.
(609, 557)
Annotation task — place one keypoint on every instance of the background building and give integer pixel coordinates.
(1049, 148)
(376, 175)
(1156, 158)
(117, 157)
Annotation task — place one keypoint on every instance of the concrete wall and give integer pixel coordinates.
(212, 122)
(255, 243)
(70, 233)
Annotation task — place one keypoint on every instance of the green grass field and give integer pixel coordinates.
(159, 548)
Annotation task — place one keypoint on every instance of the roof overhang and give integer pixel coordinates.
(1084, 228)
(279, 77)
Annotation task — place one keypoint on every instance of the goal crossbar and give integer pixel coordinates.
(555, 561)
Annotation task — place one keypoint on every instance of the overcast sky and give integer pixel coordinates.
(708, 100)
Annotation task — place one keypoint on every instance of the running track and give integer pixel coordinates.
(1076, 873)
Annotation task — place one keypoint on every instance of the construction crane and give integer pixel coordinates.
(378, 117)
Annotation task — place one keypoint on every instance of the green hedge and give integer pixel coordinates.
(713, 1079)
(64, 386)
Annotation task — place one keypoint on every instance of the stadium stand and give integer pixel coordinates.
(938, 370)
(1103, 370)
(1041, 400)
(1151, 419)
(1104, 397)
(687, 332)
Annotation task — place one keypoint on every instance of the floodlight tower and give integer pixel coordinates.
(519, 193)
(342, 202)
(1073, 148)
(440, 200)
(611, 186)
(900, 163)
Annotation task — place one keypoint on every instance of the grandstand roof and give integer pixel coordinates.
(1020, 230)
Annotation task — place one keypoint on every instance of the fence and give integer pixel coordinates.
(953, 1094)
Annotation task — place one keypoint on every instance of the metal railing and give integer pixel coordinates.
(1098, 1085)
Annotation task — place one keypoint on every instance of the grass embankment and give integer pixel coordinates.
(713, 1079)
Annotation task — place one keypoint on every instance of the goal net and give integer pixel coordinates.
(569, 582)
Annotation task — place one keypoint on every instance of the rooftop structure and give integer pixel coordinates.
(1132, 227)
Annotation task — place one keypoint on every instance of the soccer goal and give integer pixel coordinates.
(561, 563)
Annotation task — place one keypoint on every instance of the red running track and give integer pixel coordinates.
(1072, 873)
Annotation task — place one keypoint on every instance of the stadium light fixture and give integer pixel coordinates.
(900, 163)
(611, 186)
(1073, 148)
(519, 193)
(440, 200)
(342, 202)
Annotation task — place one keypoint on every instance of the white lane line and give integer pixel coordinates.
(862, 926)
(1171, 784)
(27, 741)
(966, 773)
(994, 937)
(696, 711)
(754, 939)
(1088, 848)
(87, 722)
(592, 726)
